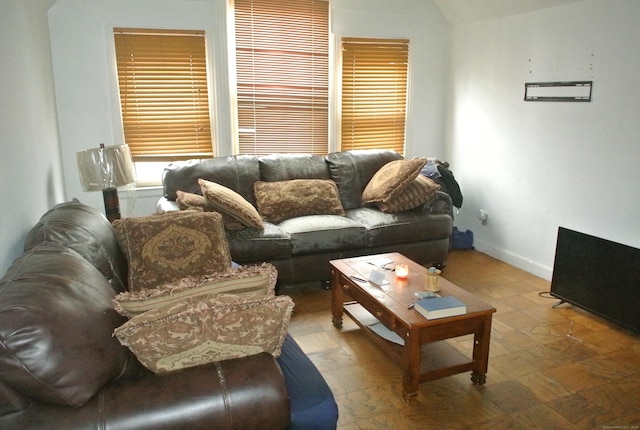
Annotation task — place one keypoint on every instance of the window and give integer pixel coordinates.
(374, 93)
(162, 78)
(282, 59)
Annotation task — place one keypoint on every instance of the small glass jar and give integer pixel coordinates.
(433, 279)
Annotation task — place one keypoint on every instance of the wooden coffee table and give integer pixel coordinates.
(425, 355)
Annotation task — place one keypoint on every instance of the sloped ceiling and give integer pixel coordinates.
(465, 11)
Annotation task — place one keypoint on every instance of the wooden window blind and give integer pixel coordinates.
(282, 59)
(162, 77)
(374, 93)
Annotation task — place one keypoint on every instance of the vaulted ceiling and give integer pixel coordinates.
(465, 11)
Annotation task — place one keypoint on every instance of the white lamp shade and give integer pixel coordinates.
(105, 167)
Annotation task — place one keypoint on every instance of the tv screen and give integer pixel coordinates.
(599, 276)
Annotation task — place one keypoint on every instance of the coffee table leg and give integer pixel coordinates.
(481, 352)
(336, 300)
(411, 374)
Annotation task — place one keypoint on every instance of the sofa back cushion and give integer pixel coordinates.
(237, 172)
(56, 325)
(87, 231)
(352, 171)
(284, 167)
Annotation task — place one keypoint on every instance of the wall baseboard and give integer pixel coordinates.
(515, 260)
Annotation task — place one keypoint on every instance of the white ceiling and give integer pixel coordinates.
(464, 11)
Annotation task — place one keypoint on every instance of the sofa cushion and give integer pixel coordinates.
(165, 247)
(186, 335)
(250, 245)
(56, 324)
(282, 200)
(391, 180)
(317, 233)
(243, 279)
(227, 201)
(87, 231)
(283, 167)
(416, 225)
(196, 201)
(352, 171)
(420, 191)
(237, 172)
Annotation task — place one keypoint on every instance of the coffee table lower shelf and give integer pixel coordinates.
(438, 359)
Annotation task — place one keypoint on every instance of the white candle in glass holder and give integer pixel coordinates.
(402, 270)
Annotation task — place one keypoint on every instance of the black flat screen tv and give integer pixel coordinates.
(599, 276)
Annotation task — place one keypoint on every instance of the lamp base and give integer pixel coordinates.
(111, 203)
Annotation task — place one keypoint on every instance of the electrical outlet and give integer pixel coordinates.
(482, 216)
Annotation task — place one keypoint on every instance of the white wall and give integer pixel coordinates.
(534, 166)
(30, 170)
(85, 77)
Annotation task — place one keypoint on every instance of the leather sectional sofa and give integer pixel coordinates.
(301, 247)
(62, 368)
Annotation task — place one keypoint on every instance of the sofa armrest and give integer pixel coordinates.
(441, 205)
(248, 392)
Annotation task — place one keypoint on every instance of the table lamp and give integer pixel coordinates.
(105, 169)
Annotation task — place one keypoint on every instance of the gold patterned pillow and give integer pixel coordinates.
(227, 201)
(165, 247)
(282, 200)
(391, 179)
(186, 335)
(419, 192)
(195, 201)
(255, 279)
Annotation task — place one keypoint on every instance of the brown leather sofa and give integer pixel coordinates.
(300, 248)
(61, 367)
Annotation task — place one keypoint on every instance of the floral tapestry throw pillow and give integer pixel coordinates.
(391, 179)
(227, 201)
(166, 247)
(282, 200)
(244, 279)
(186, 335)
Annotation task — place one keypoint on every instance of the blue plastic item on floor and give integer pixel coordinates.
(461, 239)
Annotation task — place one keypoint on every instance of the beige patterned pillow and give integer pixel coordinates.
(165, 247)
(391, 179)
(282, 200)
(419, 192)
(255, 279)
(190, 201)
(186, 335)
(227, 201)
